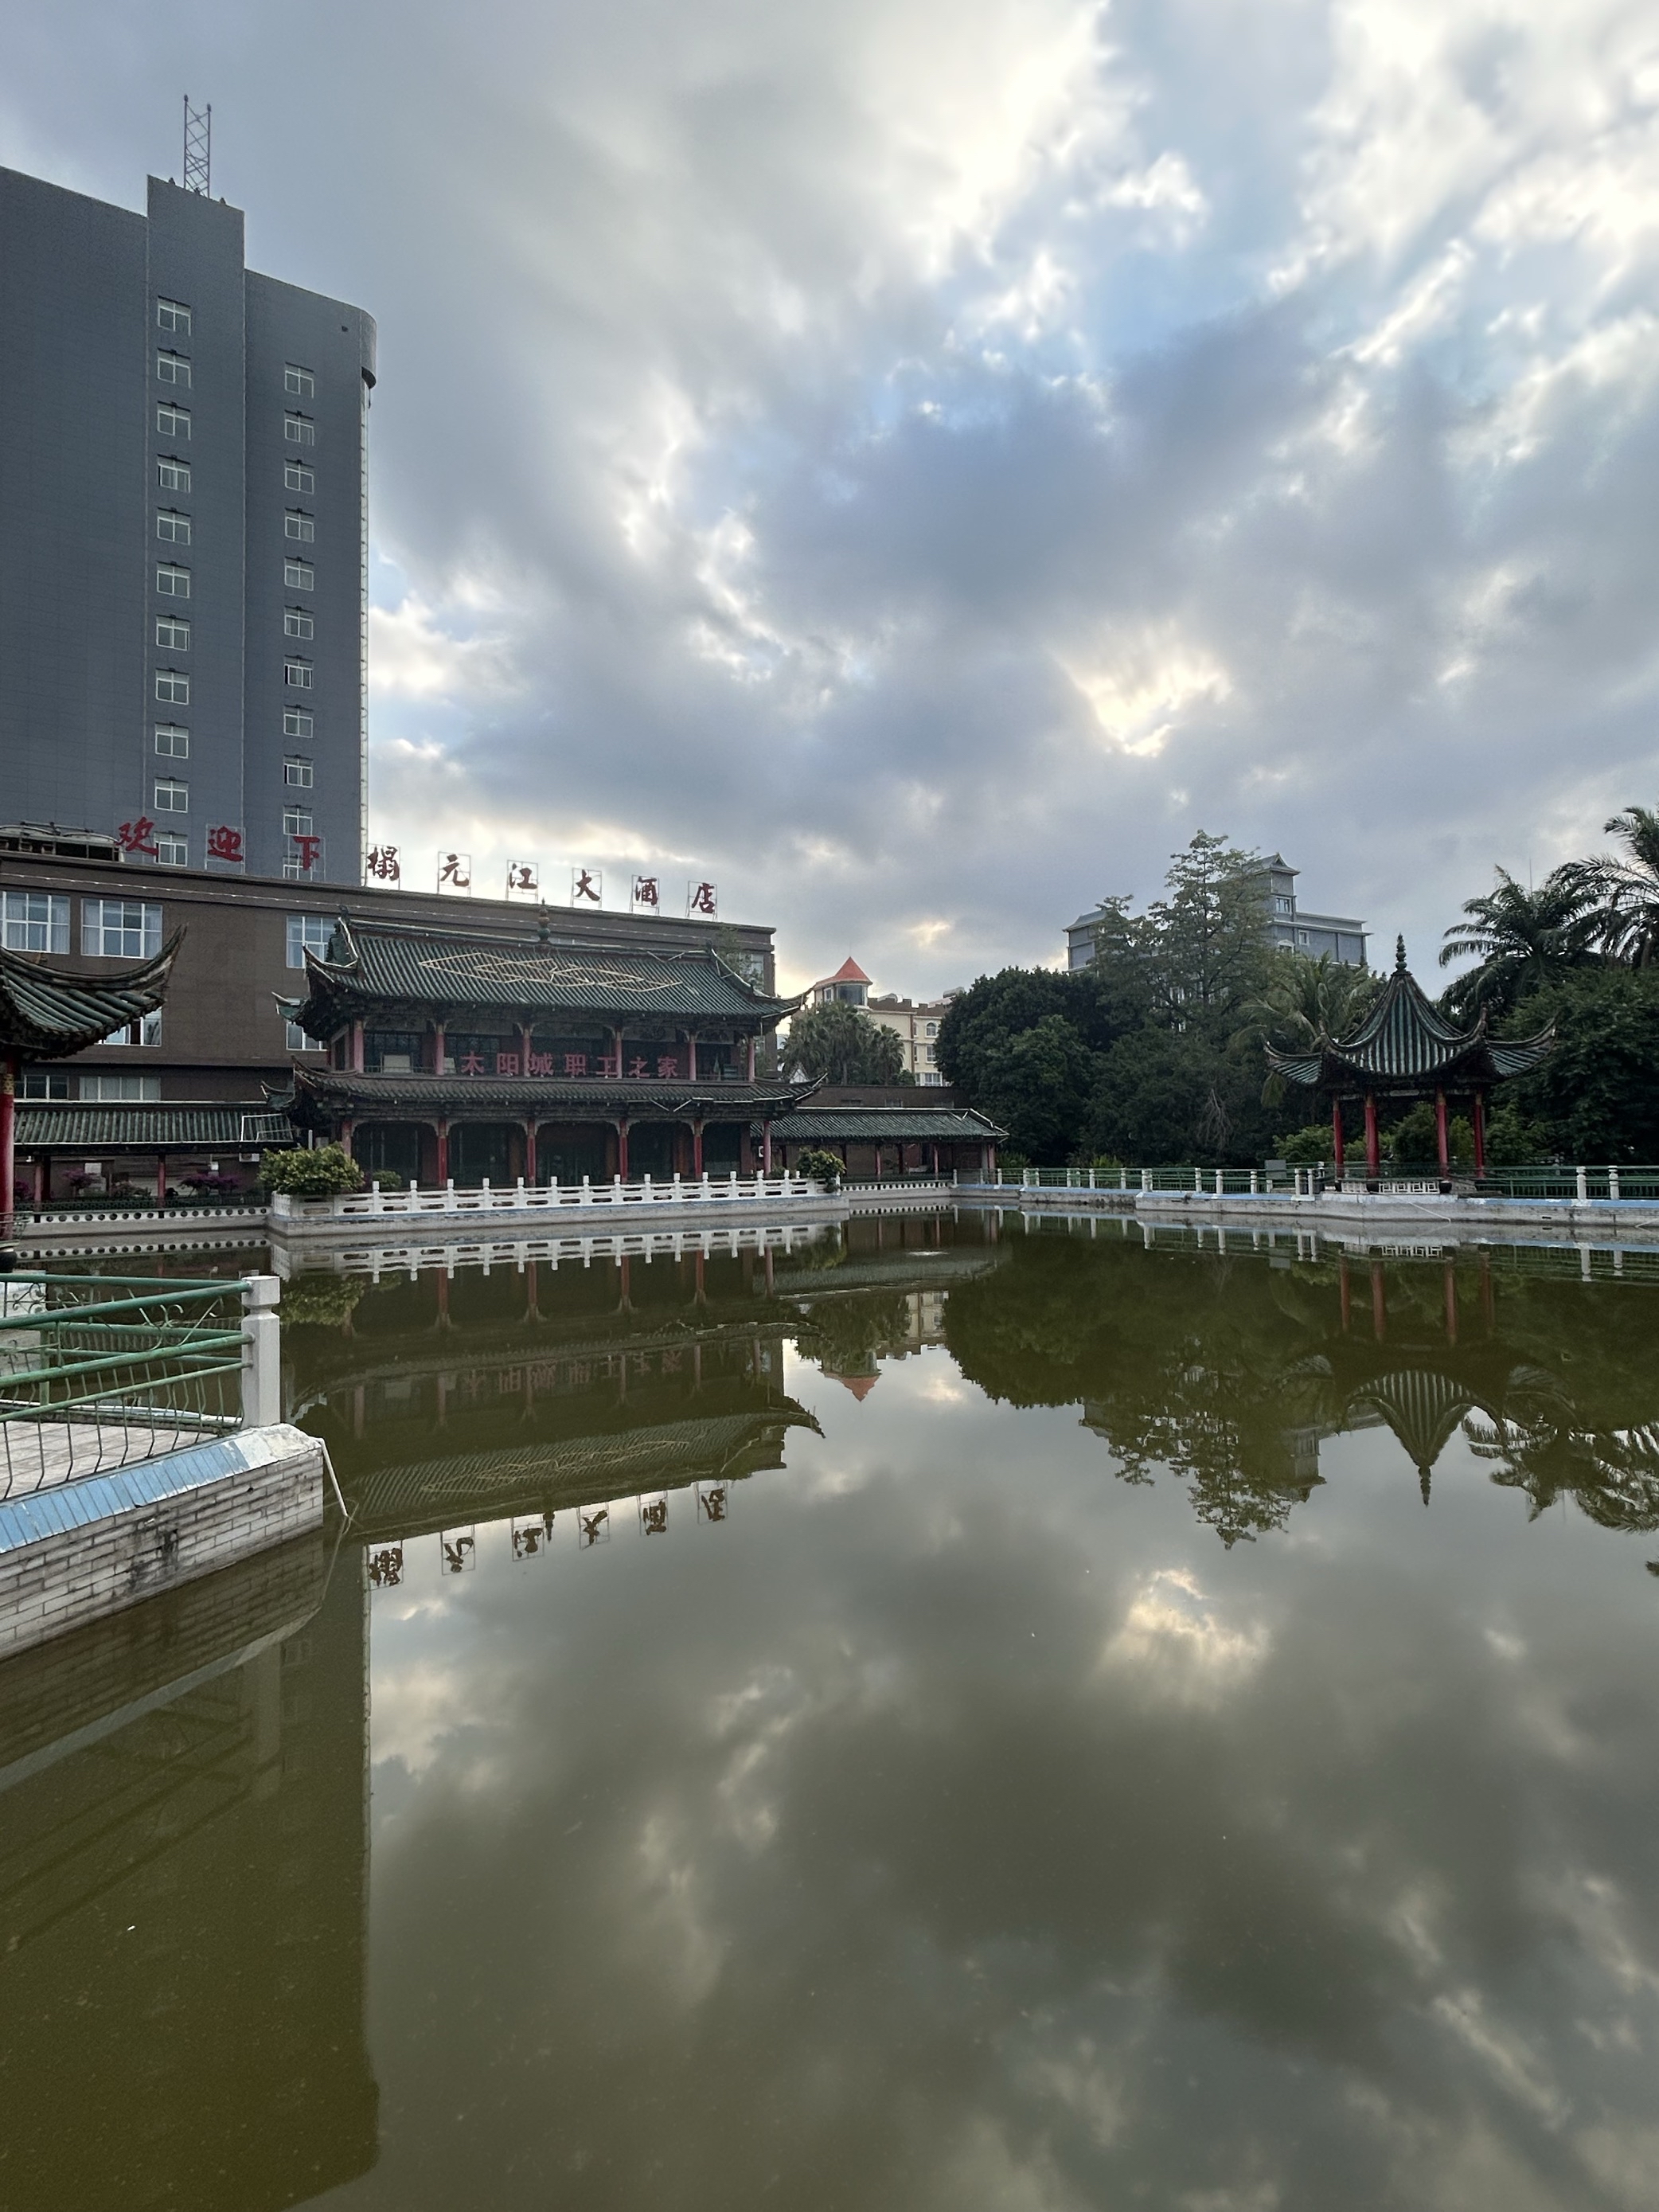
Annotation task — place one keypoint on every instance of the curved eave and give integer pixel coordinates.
(48, 1014)
(328, 1093)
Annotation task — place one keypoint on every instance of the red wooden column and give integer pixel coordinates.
(1336, 1134)
(691, 1058)
(1480, 1133)
(160, 1178)
(1442, 1137)
(348, 1130)
(622, 1148)
(8, 1138)
(443, 1153)
(748, 1060)
(530, 1150)
(766, 1158)
(356, 1048)
(437, 1047)
(696, 1150)
(1373, 1141)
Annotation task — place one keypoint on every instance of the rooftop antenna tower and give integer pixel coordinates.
(199, 149)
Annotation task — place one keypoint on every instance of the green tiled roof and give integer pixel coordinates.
(372, 968)
(891, 1124)
(325, 1091)
(46, 1013)
(110, 1123)
(1406, 1044)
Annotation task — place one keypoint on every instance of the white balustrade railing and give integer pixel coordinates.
(553, 1198)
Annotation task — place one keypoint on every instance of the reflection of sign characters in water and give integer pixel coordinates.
(711, 1501)
(386, 1567)
(460, 1551)
(530, 1537)
(593, 1528)
(654, 1515)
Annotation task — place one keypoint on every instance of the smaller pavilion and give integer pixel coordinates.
(465, 1058)
(47, 1013)
(1406, 1049)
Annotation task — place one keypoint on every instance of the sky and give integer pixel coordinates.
(915, 462)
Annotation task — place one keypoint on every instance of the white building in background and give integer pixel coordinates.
(1288, 927)
(916, 1023)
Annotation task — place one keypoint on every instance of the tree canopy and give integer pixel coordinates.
(841, 1044)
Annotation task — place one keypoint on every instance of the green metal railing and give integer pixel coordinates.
(1621, 1184)
(98, 1371)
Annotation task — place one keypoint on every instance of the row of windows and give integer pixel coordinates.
(174, 528)
(172, 421)
(42, 1085)
(126, 929)
(173, 582)
(174, 475)
(172, 631)
(111, 928)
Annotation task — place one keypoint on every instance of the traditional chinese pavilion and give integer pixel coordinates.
(47, 1014)
(1405, 1049)
(469, 1057)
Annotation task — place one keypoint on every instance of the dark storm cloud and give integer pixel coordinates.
(920, 463)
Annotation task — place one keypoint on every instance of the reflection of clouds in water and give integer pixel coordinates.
(1176, 1644)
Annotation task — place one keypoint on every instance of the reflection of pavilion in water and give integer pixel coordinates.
(182, 1896)
(886, 1298)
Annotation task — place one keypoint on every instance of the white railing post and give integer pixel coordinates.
(1218, 1182)
(705, 1183)
(1255, 1183)
(1583, 1184)
(1613, 1184)
(262, 1354)
(1145, 1178)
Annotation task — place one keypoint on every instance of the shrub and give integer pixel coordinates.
(388, 1178)
(821, 1166)
(319, 1174)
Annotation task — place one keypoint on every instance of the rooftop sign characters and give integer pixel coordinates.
(224, 846)
(383, 864)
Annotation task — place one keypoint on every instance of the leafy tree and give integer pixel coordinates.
(1594, 1096)
(841, 1044)
(821, 1166)
(1205, 944)
(1036, 1084)
(1519, 939)
(1303, 1001)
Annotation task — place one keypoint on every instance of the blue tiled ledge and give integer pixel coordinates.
(78, 1505)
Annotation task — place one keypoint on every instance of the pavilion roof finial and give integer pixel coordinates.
(1400, 955)
(544, 932)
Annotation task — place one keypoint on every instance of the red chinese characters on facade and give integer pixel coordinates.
(702, 898)
(647, 892)
(668, 1068)
(308, 850)
(224, 843)
(636, 1067)
(138, 836)
(506, 1063)
(539, 1063)
(575, 1063)
(472, 1065)
(381, 862)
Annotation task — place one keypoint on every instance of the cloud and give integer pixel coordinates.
(915, 461)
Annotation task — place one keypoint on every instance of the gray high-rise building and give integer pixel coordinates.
(182, 562)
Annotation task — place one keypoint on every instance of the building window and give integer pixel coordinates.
(172, 527)
(172, 315)
(171, 741)
(171, 851)
(172, 631)
(299, 381)
(120, 929)
(297, 476)
(308, 933)
(298, 774)
(173, 687)
(298, 1042)
(172, 583)
(171, 798)
(298, 673)
(1302, 937)
(297, 722)
(296, 623)
(299, 430)
(34, 922)
(171, 475)
(303, 528)
(298, 576)
(129, 1087)
(296, 822)
(172, 421)
(147, 1029)
(43, 1086)
(172, 368)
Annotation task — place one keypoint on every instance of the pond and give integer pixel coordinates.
(951, 1715)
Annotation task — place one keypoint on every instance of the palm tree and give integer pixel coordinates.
(1521, 937)
(1627, 891)
(1304, 1001)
